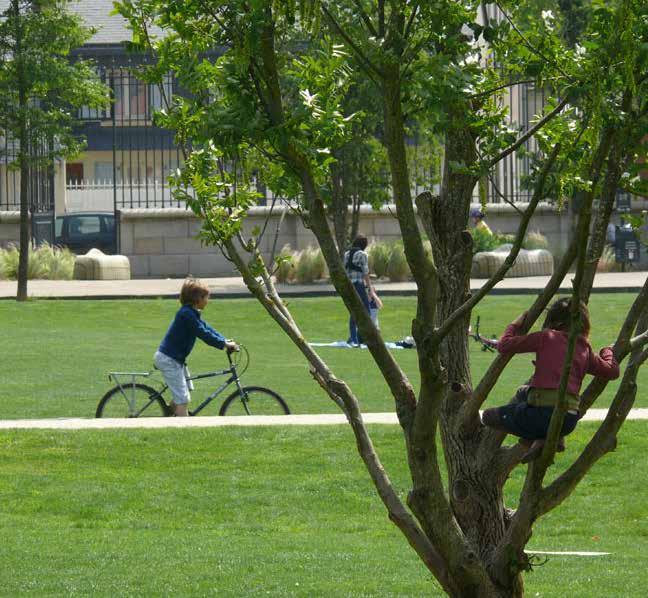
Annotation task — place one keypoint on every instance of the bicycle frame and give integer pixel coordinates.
(133, 412)
(131, 400)
(233, 378)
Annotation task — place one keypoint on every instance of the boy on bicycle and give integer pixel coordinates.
(180, 338)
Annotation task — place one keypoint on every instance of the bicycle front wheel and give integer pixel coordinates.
(132, 400)
(254, 400)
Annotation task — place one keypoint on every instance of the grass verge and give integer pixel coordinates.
(271, 511)
(56, 353)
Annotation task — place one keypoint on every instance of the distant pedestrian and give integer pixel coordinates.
(478, 221)
(356, 265)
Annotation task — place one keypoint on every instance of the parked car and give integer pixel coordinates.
(83, 231)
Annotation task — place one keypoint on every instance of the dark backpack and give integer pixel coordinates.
(349, 265)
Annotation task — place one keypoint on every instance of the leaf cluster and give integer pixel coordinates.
(40, 86)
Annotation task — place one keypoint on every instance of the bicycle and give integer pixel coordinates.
(487, 344)
(133, 399)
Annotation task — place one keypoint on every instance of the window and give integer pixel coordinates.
(136, 100)
(103, 172)
(109, 223)
(84, 225)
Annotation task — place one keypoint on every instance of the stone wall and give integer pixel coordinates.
(164, 243)
(9, 228)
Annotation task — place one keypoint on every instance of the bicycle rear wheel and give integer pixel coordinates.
(256, 400)
(132, 400)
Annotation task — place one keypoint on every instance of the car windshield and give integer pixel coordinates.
(84, 225)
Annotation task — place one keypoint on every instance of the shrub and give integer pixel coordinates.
(58, 262)
(397, 267)
(320, 269)
(535, 240)
(379, 254)
(308, 267)
(484, 241)
(46, 261)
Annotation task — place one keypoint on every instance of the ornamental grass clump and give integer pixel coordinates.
(320, 270)
(607, 261)
(535, 240)
(45, 262)
(397, 267)
(379, 254)
(58, 262)
(306, 268)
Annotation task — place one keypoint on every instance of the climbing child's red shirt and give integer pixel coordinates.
(550, 347)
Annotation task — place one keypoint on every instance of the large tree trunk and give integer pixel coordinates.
(339, 205)
(475, 494)
(23, 158)
(25, 236)
(475, 479)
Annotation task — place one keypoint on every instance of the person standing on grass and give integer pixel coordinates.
(529, 414)
(187, 325)
(356, 264)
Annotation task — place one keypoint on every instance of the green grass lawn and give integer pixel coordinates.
(56, 354)
(271, 511)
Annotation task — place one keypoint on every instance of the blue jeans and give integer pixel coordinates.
(528, 421)
(354, 333)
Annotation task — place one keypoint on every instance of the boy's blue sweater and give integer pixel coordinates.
(181, 336)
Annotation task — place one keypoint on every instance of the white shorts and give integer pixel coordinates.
(175, 375)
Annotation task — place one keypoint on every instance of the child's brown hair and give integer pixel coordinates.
(559, 317)
(192, 291)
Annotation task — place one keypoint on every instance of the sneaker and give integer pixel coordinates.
(491, 418)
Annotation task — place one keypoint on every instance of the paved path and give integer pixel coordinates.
(234, 287)
(325, 419)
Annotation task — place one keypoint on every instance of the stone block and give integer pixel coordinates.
(183, 245)
(95, 265)
(209, 265)
(126, 245)
(148, 246)
(140, 266)
(384, 225)
(162, 227)
(194, 225)
(535, 262)
(175, 266)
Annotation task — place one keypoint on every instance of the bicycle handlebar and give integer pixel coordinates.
(243, 353)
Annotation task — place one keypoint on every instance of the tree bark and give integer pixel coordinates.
(23, 159)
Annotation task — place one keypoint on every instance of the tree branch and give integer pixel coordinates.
(467, 306)
(527, 43)
(602, 442)
(340, 393)
(488, 92)
(530, 133)
(410, 21)
(621, 348)
(370, 68)
(365, 18)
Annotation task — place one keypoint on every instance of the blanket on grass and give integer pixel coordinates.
(345, 345)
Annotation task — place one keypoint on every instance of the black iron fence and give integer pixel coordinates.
(40, 183)
(128, 157)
